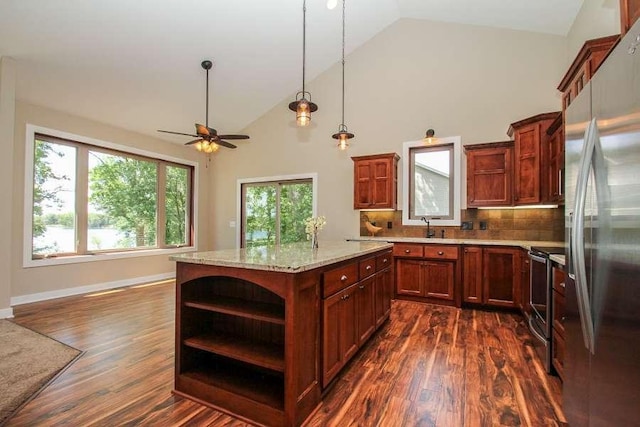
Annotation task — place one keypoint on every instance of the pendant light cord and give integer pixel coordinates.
(343, 20)
(304, 32)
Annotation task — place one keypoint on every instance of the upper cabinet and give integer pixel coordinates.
(375, 181)
(629, 13)
(489, 174)
(530, 158)
(553, 183)
(585, 65)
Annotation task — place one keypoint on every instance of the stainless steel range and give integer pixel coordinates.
(540, 288)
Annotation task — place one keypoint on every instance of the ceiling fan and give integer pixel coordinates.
(208, 139)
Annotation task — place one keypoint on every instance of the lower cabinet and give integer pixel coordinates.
(353, 311)
(427, 272)
(492, 276)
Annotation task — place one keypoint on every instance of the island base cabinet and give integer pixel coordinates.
(237, 349)
(383, 295)
(340, 335)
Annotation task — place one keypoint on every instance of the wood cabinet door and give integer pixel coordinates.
(501, 276)
(472, 274)
(349, 339)
(438, 277)
(527, 165)
(362, 186)
(408, 277)
(383, 295)
(381, 183)
(554, 182)
(489, 177)
(365, 302)
(332, 358)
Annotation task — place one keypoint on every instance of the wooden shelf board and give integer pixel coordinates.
(254, 387)
(270, 356)
(272, 313)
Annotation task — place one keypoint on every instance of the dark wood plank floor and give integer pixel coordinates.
(428, 366)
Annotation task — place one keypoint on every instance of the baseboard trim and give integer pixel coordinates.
(61, 293)
(6, 313)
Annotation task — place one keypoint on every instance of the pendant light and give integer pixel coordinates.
(343, 136)
(429, 137)
(303, 106)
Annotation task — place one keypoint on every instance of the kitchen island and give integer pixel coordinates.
(261, 332)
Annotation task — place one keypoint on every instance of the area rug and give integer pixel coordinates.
(28, 362)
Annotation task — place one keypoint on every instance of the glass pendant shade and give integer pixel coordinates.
(303, 113)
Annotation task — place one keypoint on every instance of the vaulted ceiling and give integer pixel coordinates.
(136, 64)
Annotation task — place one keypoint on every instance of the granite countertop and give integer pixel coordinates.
(288, 258)
(560, 259)
(525, 244)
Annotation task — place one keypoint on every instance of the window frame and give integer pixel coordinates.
(266, 180)
(111, 148)
(407, 181)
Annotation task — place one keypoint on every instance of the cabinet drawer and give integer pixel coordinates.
(339, 278)
(383, 261)
(441, 252)
(408, 250)
(367, 267)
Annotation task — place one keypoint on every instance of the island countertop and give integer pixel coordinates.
(288, 258)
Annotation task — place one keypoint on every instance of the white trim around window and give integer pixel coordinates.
(27, 261)
(238, 224)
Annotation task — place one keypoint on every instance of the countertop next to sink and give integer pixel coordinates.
(525, 244)
(560, 259)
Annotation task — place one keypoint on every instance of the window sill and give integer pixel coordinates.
(76, 259)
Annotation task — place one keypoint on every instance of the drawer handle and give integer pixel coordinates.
(344, 277)
(368, 267)
(407, 251)
(440, 253)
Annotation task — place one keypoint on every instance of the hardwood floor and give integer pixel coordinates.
(428, 366)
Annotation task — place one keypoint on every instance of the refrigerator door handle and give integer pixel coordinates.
(577, 249)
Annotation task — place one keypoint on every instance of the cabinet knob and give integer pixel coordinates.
(346, 296)
(368, 267)
(361, 286)
(343, 278)
(562, 285)
(384, 261)
(407, 251)
(440, 253)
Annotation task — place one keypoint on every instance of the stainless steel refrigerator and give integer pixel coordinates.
(602, 215)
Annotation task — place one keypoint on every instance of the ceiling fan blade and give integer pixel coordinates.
(195, 141)
(225, 144)
(234, 136)
(177, 133)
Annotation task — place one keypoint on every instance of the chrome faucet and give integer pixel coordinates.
(430, 233)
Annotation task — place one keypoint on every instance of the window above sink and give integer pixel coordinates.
(431, 182)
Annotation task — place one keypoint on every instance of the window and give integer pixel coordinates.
(90, 199)
(431, 182)
(273, 210)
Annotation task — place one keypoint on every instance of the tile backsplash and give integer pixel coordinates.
(501, 224)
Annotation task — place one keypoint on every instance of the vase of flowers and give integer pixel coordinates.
(313, 225)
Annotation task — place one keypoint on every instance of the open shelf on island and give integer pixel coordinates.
(266, 355)
(234, 377)
(273, 313)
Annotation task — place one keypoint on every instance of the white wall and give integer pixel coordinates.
(457, 79)
(7, 114)
(596, 18)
